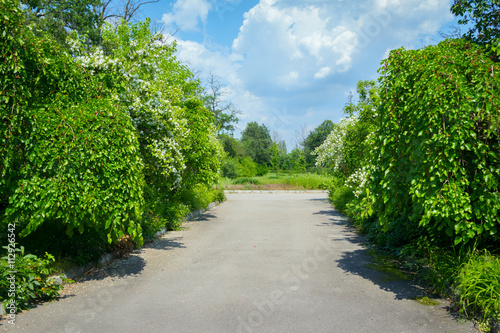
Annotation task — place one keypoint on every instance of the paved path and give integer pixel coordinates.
(275, 262)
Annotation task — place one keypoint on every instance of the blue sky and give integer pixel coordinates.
(291, 64)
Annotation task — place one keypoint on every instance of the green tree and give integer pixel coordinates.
(484, 15)
(231, 146)
(257, 142)
(59, 17)
(314, 140)
(69, 151)
(436, 147)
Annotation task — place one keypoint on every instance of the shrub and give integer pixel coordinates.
(229, 168)
(479, 286)
(30, 279)
(436, 146)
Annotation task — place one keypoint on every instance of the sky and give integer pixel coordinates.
(292, 64)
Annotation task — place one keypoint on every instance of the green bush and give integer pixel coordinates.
(262, 169)
(479, 286)
(247, 167)
(70, 155)
(30, 278)
(436, 149)
(229, 168)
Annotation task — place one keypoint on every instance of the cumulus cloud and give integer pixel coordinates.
(290, 45)
(187, 14)
(292, 62)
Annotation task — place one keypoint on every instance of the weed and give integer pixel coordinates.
(425, 300)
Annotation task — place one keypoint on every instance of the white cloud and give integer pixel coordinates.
(322, 73)
(293, 62)
(186, 14)
(287, 45)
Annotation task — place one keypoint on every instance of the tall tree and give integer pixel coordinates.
(484, 15)
(257, 142)
(59, 17)
(315, 139)
(117, 10)
(225, 114)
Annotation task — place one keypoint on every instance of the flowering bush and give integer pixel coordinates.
(69, 152)
(176, 135)
(332, 152)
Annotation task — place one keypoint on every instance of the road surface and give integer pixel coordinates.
(260, 262)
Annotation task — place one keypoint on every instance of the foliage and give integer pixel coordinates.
(479, 286)
(246, 180)
(175, 131)
(58, 18)
(30, 279)
(200, 196)
(257, 142)
(247, 167)
(229, 168)
(315, 138)
(70, 154)
(278, 155)
(81, 168)
(332, 152)
(436, 146)
(484, 15)
(232, 147)
(346, 148)
(202, 151)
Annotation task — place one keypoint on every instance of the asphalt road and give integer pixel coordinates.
(260, 262)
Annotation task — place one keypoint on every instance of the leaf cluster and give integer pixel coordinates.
(435, 150)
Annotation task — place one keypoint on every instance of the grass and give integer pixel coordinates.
(388, 265)
(424, 300)
(279, 181)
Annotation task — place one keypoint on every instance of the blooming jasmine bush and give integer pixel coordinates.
(70, 154)
(331, 152)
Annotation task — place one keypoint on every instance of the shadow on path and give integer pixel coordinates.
(203, 217)
(131, 265)
(355, 259)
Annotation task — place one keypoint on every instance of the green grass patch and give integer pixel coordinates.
(246, 180)
(301, 181)
(388, 265)
(479, 286)
(424, 300)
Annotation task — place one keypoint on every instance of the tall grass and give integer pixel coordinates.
(306, 181)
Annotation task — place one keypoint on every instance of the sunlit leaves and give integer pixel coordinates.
(436, 147)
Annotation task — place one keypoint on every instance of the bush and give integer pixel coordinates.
(30, 279)
(247, 167)
(229, 168)
(436, 146)
(262, 169)
(70, 155)
(479, 286)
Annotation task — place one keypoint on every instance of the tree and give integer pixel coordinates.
(257, 142)
(315, 139)
(69, 150)
(368, 99)
(59, 17)
(484, 15)
(436, 147)
(117, 10)
(225, 114)
(231, 146)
